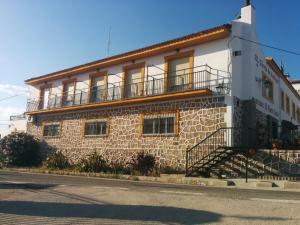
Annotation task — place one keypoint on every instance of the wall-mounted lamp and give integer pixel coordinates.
(266, 83)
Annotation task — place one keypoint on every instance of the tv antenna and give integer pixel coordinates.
(108, 42)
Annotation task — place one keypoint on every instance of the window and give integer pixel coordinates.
(180, 71)
(298, 115)
(282, 100)
(51, 130)
(44, 97)
(287, 105)
(134, 80)
(95, 128)
(267, 88)
(159, 124)
(98, 87)
(294, 110)
(68, 93)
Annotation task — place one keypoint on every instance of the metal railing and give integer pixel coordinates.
(234, 138)
(202, 77)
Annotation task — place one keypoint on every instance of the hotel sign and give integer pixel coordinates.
(260, 63)
(266, 107)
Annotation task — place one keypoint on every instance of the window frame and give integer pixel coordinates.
(270, 97)
(64, 83)
(287, 105)
(187, 54)
(59, 124)
(294, 110)
(140, 65)
(106, 120)
(282, 100)
(157, 115)
(42, 95)
(92, 78)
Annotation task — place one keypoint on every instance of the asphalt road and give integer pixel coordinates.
(232, 193)
(53, 199)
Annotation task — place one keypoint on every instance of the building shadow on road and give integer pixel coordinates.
(34, 186)
(117, 212)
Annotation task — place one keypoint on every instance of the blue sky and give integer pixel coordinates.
(38, 37)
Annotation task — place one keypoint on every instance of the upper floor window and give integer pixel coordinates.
(134, 80)
(287, 105)
(180, 75)
(51, 130)
(68, 92)
(95, 128)
(294, 110)
(282, 99)
(160, 123)
(267, 88)
(98, 87)
(44, 96)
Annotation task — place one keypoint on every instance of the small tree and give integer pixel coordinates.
(57, 160)
(143, 163)
(93, 163)
(20, 149)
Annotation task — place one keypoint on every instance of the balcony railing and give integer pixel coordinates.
(202, 77)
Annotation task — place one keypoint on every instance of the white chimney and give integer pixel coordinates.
(248, 15)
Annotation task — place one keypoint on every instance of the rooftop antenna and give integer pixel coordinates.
(108, 42)
(282, 66)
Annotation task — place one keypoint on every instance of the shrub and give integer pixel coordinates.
(94, 163)
(143, 163)
(118, 168)
(171, 170)
(20, 149)
(57, 161)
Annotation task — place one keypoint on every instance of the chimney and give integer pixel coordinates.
(248, 14)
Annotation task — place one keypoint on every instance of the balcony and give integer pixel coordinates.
(175, 83)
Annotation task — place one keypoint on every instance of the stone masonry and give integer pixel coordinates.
(198, 117)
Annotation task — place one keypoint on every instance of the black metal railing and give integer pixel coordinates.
(234, 138)
(202, 77)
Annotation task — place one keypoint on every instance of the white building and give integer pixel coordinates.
(167, 98)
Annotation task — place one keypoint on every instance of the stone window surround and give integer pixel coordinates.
(52, 123)
(176, 127)
(103, 119)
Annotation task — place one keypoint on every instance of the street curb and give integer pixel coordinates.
(174, 179)
(164, 178)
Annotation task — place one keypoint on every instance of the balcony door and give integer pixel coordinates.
(44, 97)
(179, 74)
(134, 81)
(179, 71)
(98, 87)
(68, 93)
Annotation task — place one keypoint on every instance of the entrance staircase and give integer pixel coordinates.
(225, 152)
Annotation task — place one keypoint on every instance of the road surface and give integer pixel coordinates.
(52, 199)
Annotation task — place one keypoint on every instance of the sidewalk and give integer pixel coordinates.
(278, 185)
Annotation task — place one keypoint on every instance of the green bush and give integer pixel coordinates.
(93, 163)
(20, 149)
(57, 161)
(143, 163)
(118, 168)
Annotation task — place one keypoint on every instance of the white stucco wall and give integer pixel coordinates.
(248, 68)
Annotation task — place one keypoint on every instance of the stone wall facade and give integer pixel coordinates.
(198, 117)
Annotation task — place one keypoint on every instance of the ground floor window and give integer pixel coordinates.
(165, 123)
(95, 128)
(51, 130)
